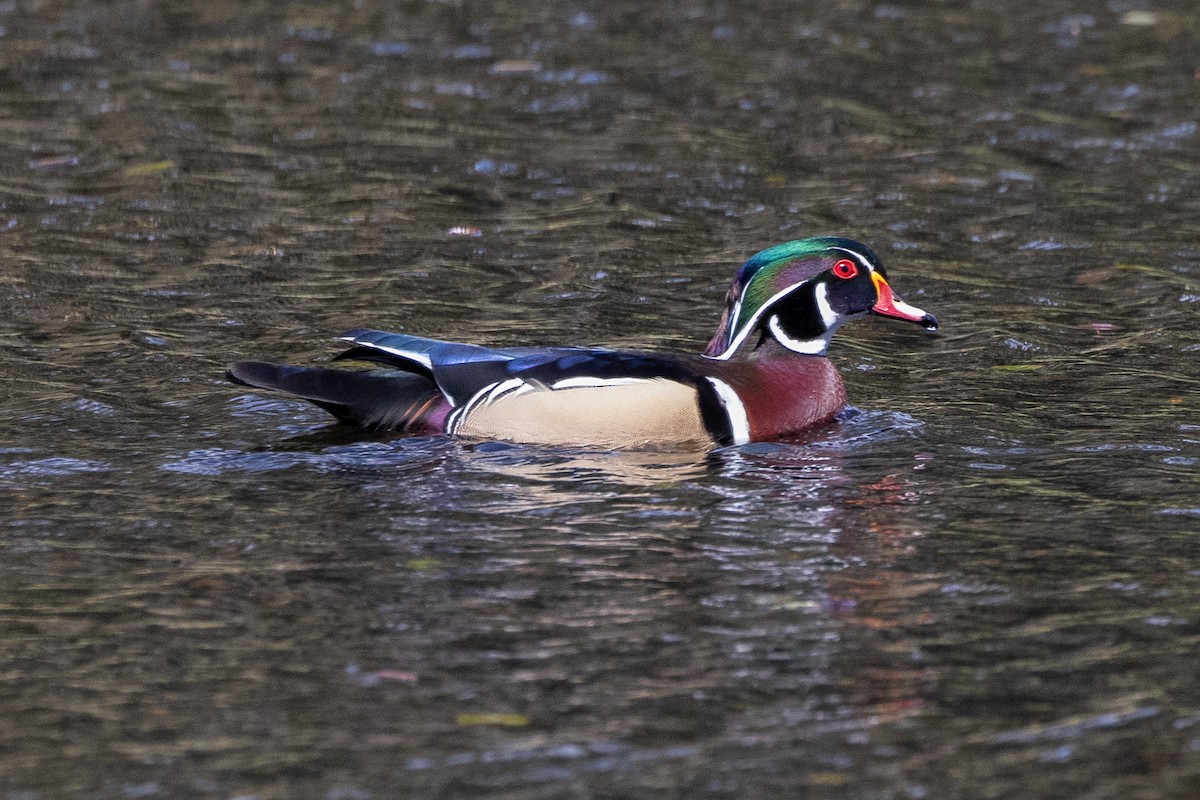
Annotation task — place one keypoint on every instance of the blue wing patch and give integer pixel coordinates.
(461, 371)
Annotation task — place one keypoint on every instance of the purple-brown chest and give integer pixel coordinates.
(784, 395)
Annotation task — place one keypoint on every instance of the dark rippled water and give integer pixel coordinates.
(984, 584)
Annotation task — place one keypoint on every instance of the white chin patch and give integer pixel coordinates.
(810, 347)
(829, 318)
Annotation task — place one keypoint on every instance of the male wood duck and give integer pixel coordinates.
(764, 375)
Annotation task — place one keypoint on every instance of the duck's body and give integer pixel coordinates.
(763, 377)
(604, 398)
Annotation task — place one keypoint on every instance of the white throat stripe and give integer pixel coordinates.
(810, 347)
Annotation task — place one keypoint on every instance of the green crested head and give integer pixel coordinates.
(798, 293)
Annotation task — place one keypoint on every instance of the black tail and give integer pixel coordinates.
(378, 399)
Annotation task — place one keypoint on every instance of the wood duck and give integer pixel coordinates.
(763, 377)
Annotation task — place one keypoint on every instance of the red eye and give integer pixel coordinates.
(845, 269)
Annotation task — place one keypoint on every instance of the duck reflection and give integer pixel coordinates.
(768, 560)
(773, 587)
(549, 472)
(867, 590)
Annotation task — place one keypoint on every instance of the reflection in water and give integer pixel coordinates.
(548, 473)
(807, 569)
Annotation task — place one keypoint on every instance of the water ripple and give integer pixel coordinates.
(55, 466)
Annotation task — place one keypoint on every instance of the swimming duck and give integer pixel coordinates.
(763, 377)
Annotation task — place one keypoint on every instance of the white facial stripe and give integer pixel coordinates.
(739, 423)
(817, 346)
(859, 257)
(828, 315)
(822, 303)
(749, 326)
(812, 347)
(736, 312)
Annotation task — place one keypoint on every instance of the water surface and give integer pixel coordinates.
(983, 584)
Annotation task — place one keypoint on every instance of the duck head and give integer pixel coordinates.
(798, 293)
